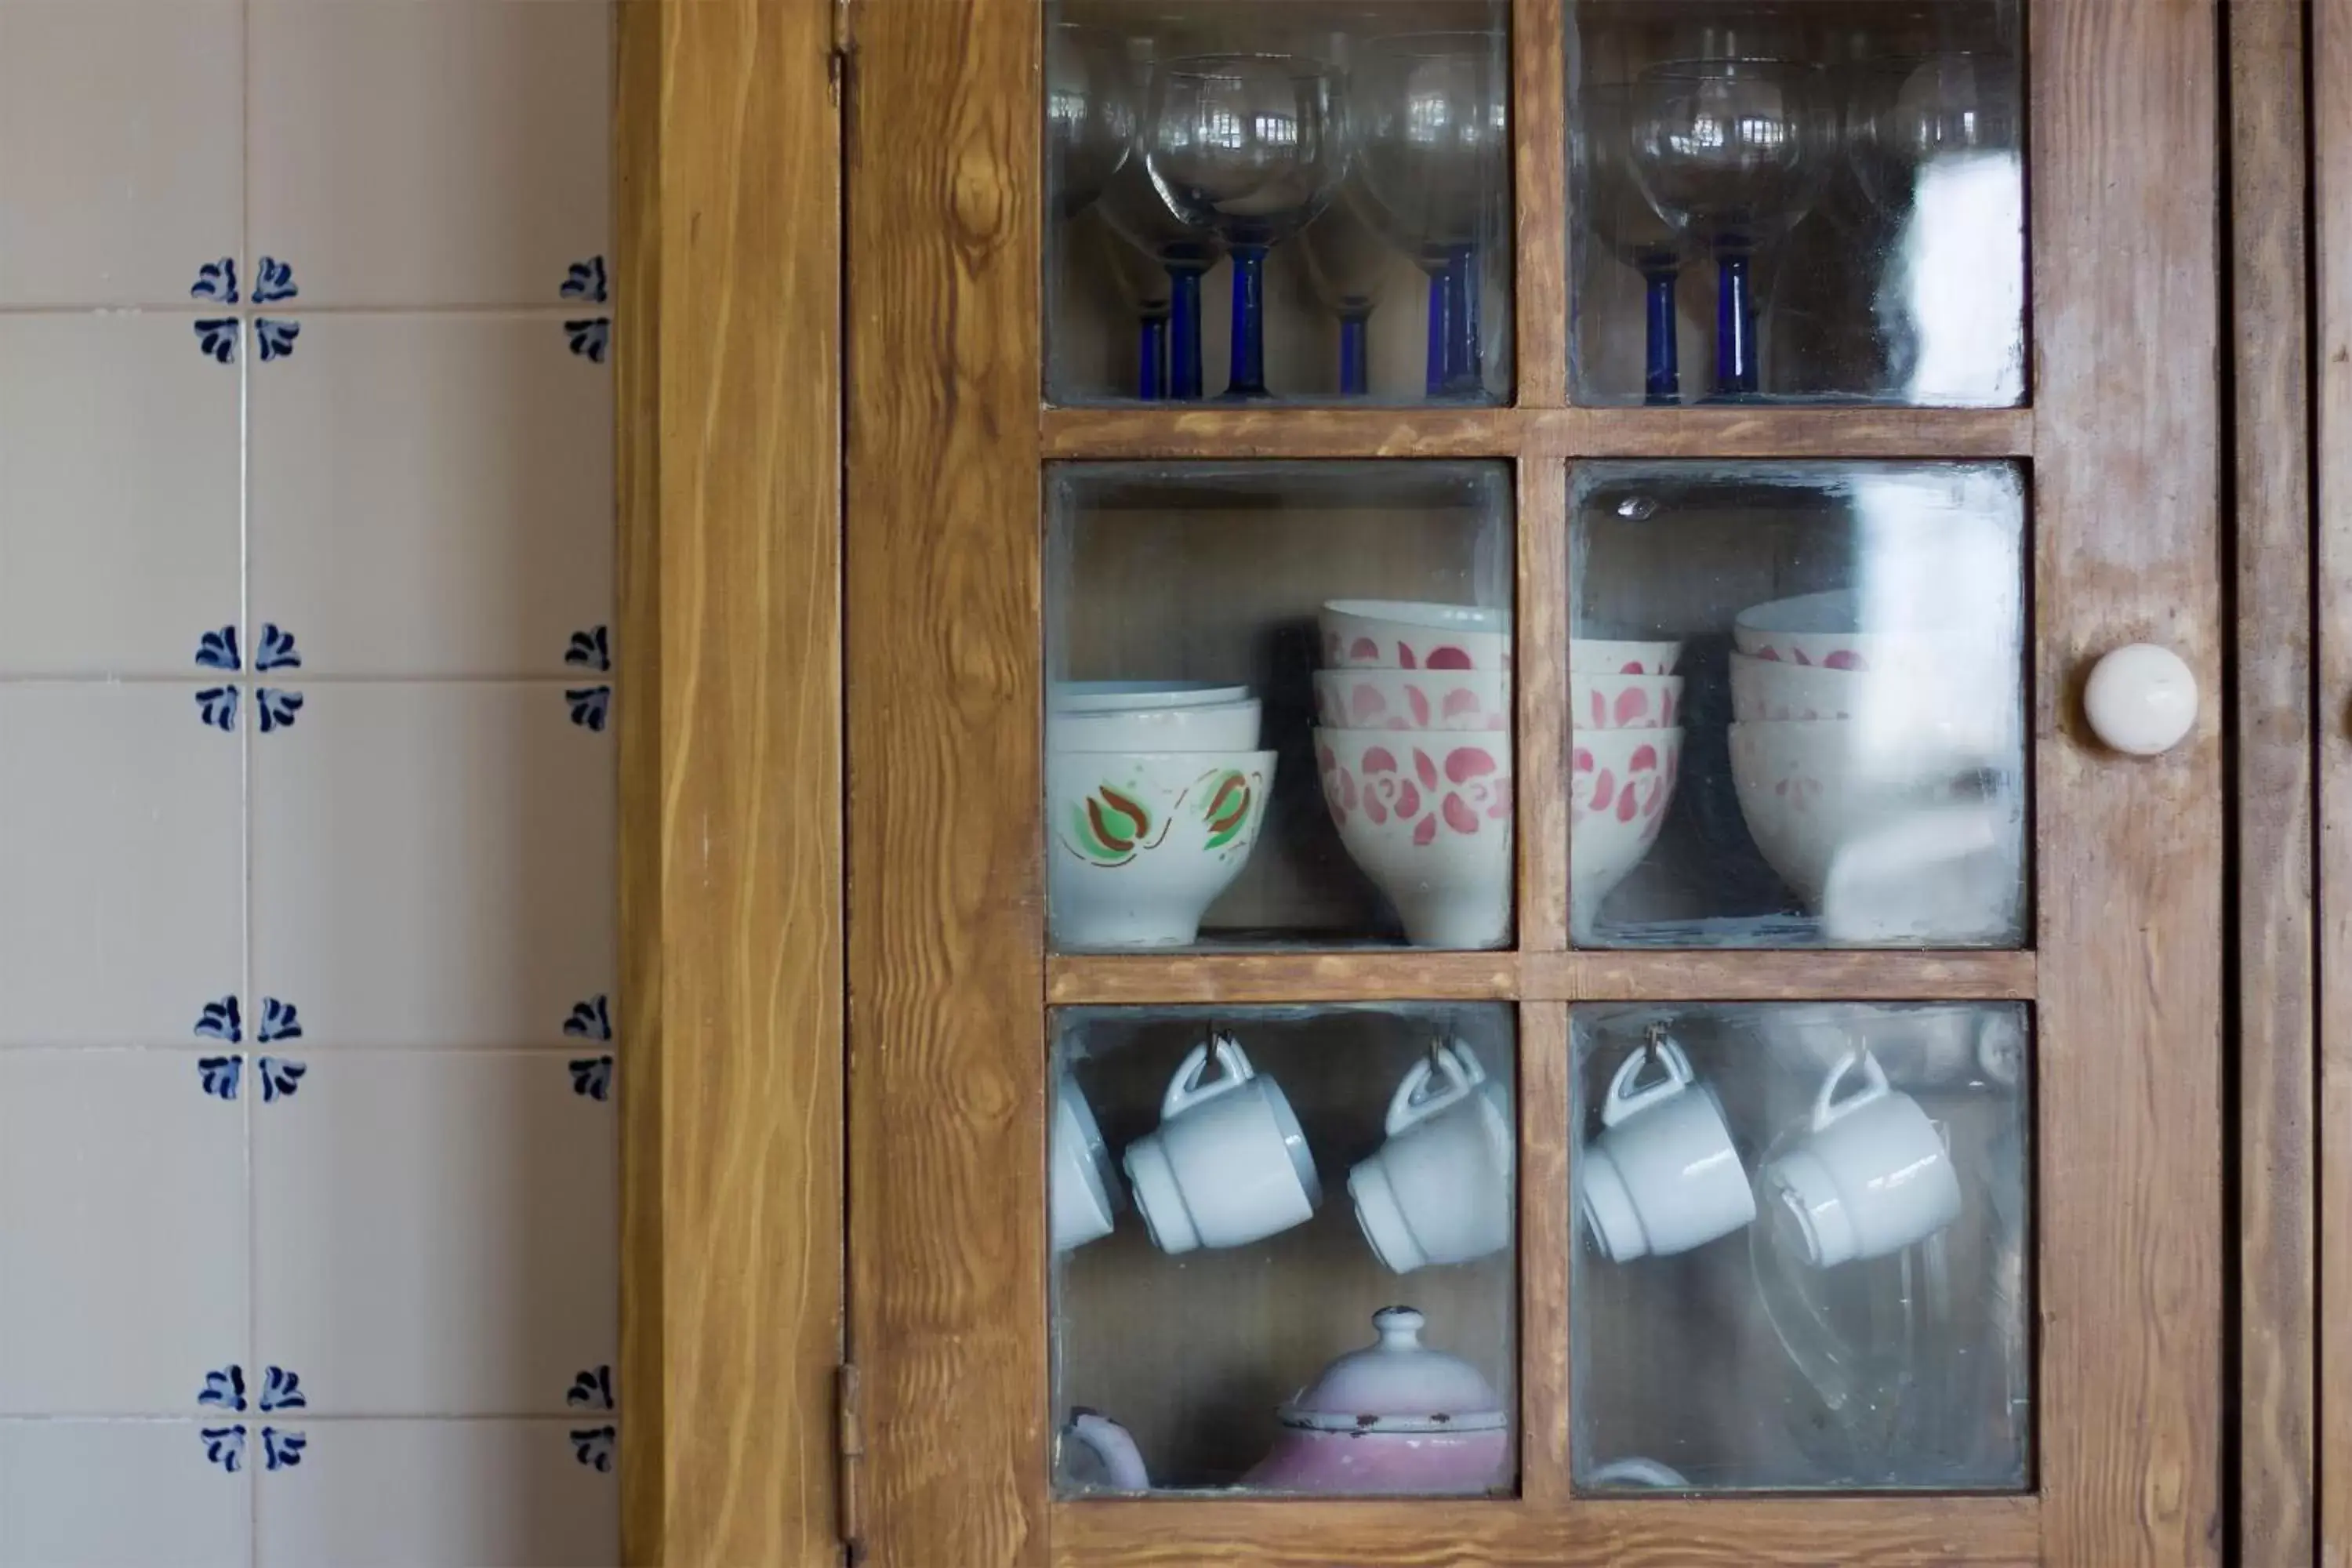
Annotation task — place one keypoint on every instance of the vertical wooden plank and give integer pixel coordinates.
(2127, 493)
(946, 931)
(2270, 187)
(1546, 1233)
(730, 714)
(1540, 767)
(1539, 161)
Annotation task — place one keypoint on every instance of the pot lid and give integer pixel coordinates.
(1397, 1384)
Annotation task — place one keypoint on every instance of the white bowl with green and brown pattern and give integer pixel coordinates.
(1141, 843)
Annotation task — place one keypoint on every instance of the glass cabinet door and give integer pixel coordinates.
(1534, 807)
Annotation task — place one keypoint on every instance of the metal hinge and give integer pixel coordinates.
(849, 1442)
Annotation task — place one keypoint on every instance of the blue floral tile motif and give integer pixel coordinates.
(224, 1389)
(277, 707)
(282, 1390)
(273, 280)
(592, 1447)
(216, 705)
(220, 1075)
(590, 649)
(278, 650)
(217, 649)
(591, 339)
(281, 1449)
(592, 1390)
(591, 706)
(590, 1020)
(585, 280)
(592, 1078)
(275, 337)
(221, 1020)
(279, 1021)
(216, 335)
(225, 1447)
(279, 1078)
(216, 281)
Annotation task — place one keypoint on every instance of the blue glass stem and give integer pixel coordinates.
(1247, 378)
(1151, 358)
(1355, 354)
(1735, 322)
(1184, 331)
(1463, 369)
(1441, 295)
(1664, 383)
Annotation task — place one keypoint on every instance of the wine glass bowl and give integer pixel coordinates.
(1090, 115)
(1912, 112)
(1734, 149)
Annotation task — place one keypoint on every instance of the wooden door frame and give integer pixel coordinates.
(727, 360)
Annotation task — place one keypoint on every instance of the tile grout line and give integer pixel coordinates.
(245, 802)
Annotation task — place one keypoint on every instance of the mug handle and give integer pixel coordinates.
(1624, 1099)
(1462, 1073)
(1186, 1089)
(1828, 1107)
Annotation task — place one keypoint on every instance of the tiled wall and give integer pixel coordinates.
(307, 1139)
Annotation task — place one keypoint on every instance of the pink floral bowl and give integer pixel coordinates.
(1620, 784)
(1824, 631)
(1412, 699)
(1427, 815)
(1609, 656)
(1625, 702)
(1393, 634)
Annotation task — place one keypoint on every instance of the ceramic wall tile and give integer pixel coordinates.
(119, 491)
(433, 864)
(433, 495)
(442, 1494)
(433, 1233)
(121, 1190)
(121, 851)
(121, 148)
(125, 1494)
(429, 152)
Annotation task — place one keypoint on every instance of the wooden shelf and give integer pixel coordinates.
(1211, 431)
(1724, 974)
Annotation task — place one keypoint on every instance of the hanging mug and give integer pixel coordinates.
(1663, 1176)
(1439, 1190)
(1228, 1165)
(1872, 1175)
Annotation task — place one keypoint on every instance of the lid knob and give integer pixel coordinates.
(1400, 1327)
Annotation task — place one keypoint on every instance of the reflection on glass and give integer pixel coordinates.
(1797, 707)
(1801, 1258)
(1284, 1249)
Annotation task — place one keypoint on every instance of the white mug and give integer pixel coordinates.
(1084, 1197)
(1872, 1175)
(1228, 1165)
(1663, 1176)
(1439, 1190)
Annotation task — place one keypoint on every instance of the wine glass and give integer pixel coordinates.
(1622, 219)
(1089, 115)
(1433, 111)
(1132, 209)
(1734, 149)
(1347, 267)
(1251, 148)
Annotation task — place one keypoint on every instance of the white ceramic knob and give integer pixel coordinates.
(2141, 699)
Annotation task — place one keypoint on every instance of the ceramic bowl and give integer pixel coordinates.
(1427, 815)
(1624, 702)
(1395, 633)
(1767, 691)
(1141, 843)
(1615, 656)
(1121, 695)
(1201, 727)
(1809, 790)
(1412, 699)
(1825, 631)
(1620, 784)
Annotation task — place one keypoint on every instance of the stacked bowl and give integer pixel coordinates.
(1155, 791)
(1624, 756)
(1880, 769)
(1413, 742)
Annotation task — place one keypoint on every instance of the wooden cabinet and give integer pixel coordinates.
(890, 502)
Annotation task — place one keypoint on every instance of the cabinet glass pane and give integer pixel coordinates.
(1811, 202)
(1803, 1247)
(1279, 704)
(1307, 201)
(1236, 1197)
(1797, 705)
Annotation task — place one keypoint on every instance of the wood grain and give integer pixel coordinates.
(1717, 1533)
(728, 713)
(946, 969)
(1540, 659)
(1373, 974)
(2126, 139)
(1547, 1224)
(1553, 433)
(2269, 189)
(1539, 171)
